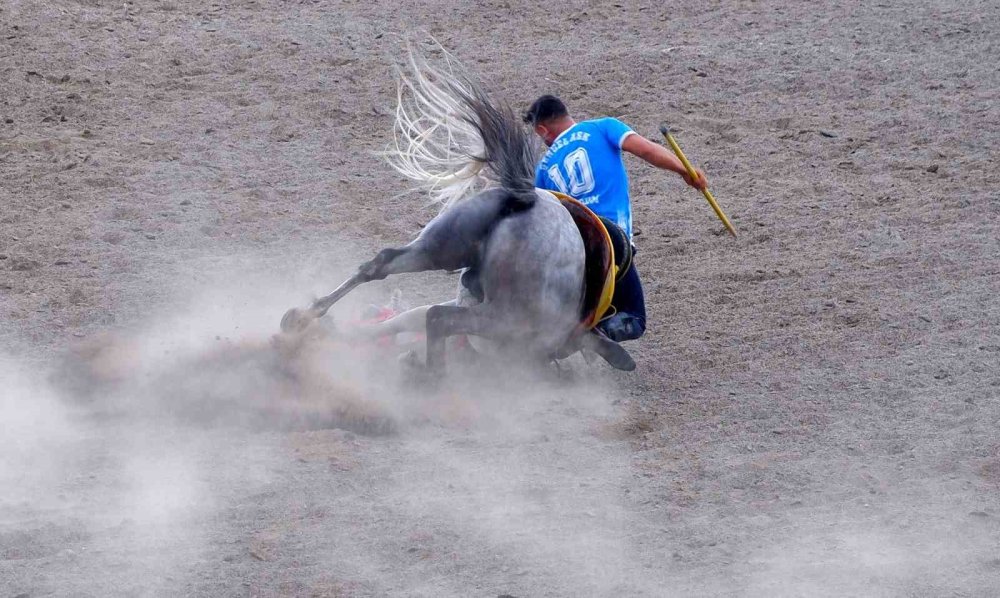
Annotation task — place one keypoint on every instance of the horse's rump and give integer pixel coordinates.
(531, 272)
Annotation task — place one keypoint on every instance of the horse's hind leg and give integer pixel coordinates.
(411, 258)
(448, 320)
(389, 261)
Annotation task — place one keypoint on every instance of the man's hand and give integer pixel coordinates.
(700, 183)
(661, 157)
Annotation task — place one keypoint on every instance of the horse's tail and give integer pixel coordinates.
(453, 139)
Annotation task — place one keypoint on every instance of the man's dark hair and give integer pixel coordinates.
(545, 109)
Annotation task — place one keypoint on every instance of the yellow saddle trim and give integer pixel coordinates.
(608, 291)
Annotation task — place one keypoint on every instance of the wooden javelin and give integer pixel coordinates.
(694, 176)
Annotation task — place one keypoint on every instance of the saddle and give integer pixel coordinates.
(609, 256)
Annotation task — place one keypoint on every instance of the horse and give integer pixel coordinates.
(518, 246)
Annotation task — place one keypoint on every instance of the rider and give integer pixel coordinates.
(584, 161)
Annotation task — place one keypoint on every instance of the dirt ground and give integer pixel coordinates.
(816, 407)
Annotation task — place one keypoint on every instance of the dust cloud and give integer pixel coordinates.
(168, 456)
(37, 430)
(197, 452)
(119, 455)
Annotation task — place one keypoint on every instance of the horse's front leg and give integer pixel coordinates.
(413, 320)
(444, 321)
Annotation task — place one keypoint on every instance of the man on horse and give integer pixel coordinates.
(584, 161)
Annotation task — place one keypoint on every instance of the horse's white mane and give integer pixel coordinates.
(434, 143)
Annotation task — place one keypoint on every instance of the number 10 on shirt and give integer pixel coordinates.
(581, 175)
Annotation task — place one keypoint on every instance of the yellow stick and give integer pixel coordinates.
(694, 175)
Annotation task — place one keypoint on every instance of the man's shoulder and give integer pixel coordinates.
(610, 128)
(604, 121)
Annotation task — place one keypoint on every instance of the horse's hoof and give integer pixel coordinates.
(416, 373)
(410, 361)
(422, 379)
(296, 320)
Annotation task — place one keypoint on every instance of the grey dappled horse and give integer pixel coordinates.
(523, 245)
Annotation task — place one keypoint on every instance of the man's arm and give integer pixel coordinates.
(661, 157)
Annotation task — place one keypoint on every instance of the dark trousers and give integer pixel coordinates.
(629, 321)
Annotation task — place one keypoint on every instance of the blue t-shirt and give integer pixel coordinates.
(585, 162)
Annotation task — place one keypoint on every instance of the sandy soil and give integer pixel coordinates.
(816, 407)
